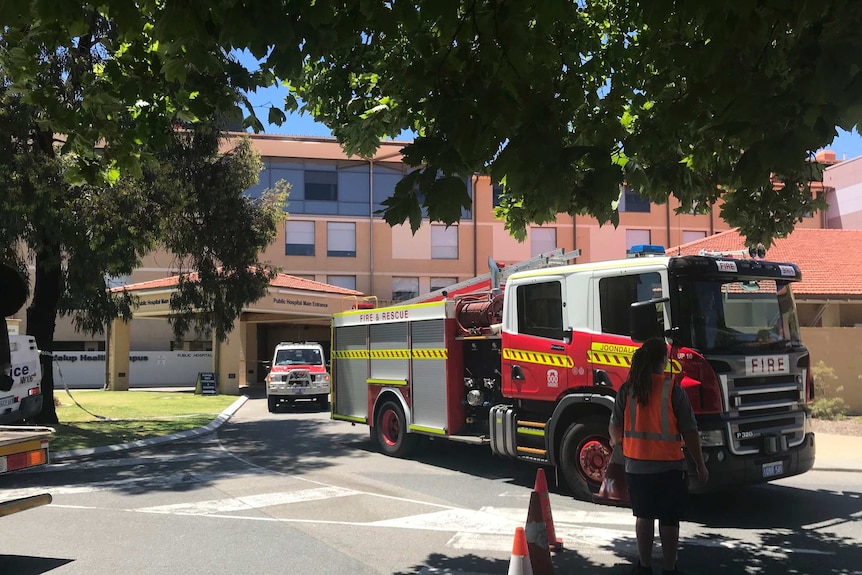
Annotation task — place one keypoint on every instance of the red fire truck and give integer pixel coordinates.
(528, 361)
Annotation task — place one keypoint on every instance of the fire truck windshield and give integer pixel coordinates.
(749, 315)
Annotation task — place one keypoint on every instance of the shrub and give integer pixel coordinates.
(827, 404)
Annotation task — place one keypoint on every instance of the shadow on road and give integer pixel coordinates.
(25, 565)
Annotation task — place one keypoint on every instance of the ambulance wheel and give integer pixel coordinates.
(272, 403)
(584, 455)
(323, 402)
(391, 430)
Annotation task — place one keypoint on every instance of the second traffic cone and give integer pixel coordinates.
(520, 562)
(541, 488)
(537, 538)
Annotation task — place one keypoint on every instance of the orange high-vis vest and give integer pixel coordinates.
(650, 431)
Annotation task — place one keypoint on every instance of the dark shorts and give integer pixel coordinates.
(660, 496)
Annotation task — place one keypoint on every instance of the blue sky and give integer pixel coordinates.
(846, 145)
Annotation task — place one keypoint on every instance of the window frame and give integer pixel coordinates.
(406, 295)
(615, 293)
(632, 202)
(331, 277)
(444, 250)
(296, 251)
(330, 196)
(330, 232)
(536, 304)
(535, 231)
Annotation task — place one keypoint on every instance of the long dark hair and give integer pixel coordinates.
(646, 361)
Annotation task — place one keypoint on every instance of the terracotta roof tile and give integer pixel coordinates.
(830, 260)
(284, 281)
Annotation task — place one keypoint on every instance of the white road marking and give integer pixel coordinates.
(622, 517)
(453, 520)
(250, 502)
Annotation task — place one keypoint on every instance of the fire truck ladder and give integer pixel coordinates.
(496, 275)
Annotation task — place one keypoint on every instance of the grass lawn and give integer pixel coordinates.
(112, 417)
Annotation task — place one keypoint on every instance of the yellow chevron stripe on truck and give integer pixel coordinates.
(540, 358)
(430, 353)
(617, 355)
(391, 354)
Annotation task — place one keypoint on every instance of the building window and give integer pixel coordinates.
(631, 201)
(346, 282)
(404, 288)
(440, 283)
(321, 186)
(444, 242)
(542, 240)
(341, 239)
(497, 191)
(637, 238)
(299, 238)
(688, 237)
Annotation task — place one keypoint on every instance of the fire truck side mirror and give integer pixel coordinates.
(643, 320)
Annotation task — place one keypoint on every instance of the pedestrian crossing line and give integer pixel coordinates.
(623, 518)
(246, 503)
(155, 481)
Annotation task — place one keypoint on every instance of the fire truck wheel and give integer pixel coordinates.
(392, 433)
(272, 403)
(584, 455)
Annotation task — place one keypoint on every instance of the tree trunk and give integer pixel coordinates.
(42, 319)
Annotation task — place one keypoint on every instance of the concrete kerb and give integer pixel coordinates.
(215, 424)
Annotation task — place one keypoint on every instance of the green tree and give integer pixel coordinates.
(189, 202)
(561, 101)
(95, 172)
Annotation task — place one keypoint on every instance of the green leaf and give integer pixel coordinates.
(276, 116)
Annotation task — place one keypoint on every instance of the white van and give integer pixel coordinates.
(298, 372)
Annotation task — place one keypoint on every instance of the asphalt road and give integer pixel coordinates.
(295, 492)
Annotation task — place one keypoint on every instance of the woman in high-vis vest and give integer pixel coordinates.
(652, 418)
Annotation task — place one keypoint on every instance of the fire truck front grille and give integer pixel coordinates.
(754, 382)
(767, 435)
(764, 395)
(297, 377)
(766, 412)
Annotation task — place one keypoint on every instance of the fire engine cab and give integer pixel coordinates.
(528, 361)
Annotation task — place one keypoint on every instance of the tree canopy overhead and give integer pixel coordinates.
(561, 101)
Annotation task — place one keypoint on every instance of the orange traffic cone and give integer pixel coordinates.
(520, 562)
(537, 538)
(541, 487)
(614, 489)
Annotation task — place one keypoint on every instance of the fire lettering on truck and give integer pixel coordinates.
(393, 315)
(767, 364)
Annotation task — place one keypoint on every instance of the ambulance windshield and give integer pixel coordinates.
(738, 315)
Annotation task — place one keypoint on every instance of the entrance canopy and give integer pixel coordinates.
(289, 300)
